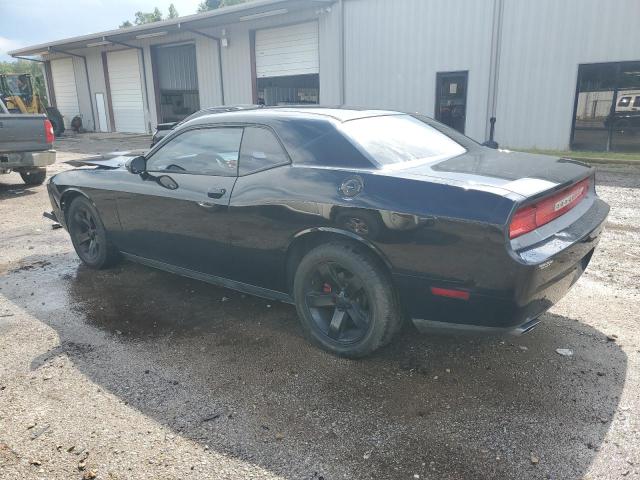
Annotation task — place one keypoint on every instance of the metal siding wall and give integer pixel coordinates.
(394, 48)
(329, 25)
(208, 72)
(543, 43)
(236, 67)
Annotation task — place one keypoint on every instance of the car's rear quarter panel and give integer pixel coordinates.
(457, 232)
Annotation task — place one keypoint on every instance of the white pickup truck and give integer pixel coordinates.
(26, 145)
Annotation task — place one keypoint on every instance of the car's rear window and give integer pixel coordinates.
(395, 139)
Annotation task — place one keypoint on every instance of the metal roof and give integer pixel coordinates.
(252, 10)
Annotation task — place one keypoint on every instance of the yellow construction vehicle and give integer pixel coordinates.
(17, 93)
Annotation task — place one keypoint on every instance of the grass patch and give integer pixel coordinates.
(588, 155)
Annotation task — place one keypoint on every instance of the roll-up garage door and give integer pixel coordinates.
(177, 80)
(126, 91)
(64, 86)
(287, 51)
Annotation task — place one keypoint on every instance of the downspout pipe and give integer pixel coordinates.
(86, 74)
(494, 70)
(144, 71)
(342, 56)
(219, 43)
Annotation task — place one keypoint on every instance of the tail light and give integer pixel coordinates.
(450, 293)
(48, 131)
(530, 217)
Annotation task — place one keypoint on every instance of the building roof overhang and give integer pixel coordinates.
(246, 12)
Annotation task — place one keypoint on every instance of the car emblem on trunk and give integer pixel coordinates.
(351, 187)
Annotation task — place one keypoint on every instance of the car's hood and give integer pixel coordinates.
(525, 174)
(111, 160)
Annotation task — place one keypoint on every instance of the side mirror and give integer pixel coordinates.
(136, 165)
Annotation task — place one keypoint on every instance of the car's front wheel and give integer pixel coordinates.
(88, 235)
(345, 300)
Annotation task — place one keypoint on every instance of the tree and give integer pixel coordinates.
(143, 18)
(207, 5)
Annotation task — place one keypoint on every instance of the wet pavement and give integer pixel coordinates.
(150, 375)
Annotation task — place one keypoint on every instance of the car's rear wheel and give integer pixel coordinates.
(88, 235)
(345, 300)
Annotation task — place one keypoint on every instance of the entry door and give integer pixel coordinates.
(126, 91)
(177, 212)
(451, 99)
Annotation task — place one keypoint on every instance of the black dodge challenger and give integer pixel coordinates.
(359, 218)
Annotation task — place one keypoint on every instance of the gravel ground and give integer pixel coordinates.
(134, 373)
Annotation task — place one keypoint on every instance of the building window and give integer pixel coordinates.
(296, 89)
(606, 115)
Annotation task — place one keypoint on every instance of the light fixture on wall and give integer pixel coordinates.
(151, 35)
(99, 44)
(270, 13)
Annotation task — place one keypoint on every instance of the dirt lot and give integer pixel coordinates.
(133, 373)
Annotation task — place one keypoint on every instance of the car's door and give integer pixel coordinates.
(260, 223)
(176, 212)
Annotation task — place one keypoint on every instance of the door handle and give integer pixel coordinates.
(216, 193)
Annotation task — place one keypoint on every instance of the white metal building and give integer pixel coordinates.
(526, 63)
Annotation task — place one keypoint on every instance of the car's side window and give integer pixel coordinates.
(205, 151)
(260, 149)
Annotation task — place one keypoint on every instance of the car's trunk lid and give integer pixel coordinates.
(524, 174)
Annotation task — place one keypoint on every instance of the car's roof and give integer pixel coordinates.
(279, 113)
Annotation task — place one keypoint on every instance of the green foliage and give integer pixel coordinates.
(24, 66)
(142, 18)
(207, 5)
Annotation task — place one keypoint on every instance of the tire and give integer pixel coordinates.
(361, 222)
(345, 300)
(56, 119)
(88, 235)
(34, 177)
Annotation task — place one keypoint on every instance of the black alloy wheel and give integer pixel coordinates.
(345, 300)
(338, 303)
(85, 231)
(88, 234)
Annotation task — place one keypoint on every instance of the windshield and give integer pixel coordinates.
(395, 139)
